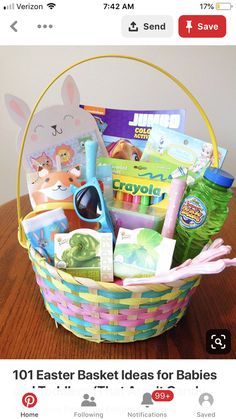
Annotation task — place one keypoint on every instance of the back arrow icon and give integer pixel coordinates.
(13, 26)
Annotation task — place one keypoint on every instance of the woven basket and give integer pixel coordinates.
(107, 312)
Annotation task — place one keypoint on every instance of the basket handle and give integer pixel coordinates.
(127, 57)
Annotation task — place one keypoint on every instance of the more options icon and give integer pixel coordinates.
(218, 341)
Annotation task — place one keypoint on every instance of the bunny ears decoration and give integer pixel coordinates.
(20, 111)
(55, 125)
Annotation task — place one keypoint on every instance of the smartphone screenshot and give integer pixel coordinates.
(117, 209)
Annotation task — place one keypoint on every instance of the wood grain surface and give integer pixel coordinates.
(27, 330)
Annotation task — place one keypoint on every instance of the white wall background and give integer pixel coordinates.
(209, 72)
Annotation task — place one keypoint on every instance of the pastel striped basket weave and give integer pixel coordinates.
(108, 312)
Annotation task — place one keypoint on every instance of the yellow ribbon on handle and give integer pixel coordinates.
(21, 236)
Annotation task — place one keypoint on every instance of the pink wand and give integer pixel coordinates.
(176, 193)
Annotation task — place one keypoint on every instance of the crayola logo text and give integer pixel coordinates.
(135, 189)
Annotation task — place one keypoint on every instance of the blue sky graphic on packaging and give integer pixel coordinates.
(171, 147)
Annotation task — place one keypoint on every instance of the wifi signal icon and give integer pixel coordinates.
(51, 5)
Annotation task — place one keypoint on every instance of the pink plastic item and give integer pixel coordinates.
(207, 262)
(176, 193)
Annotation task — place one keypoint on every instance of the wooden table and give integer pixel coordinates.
(27, 330)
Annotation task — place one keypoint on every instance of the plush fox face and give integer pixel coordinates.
(54, 186)
(54, 125)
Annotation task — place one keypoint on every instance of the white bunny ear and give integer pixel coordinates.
(18, 109)
(70, 93)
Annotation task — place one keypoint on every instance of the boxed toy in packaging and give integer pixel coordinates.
(142, 252)
(85, 253)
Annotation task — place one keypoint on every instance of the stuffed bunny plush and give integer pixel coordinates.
(54, 125)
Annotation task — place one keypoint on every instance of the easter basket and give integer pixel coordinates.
(108, 312)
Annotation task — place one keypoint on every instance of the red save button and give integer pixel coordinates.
(202, 26)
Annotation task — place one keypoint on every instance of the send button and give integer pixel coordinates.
(147, 26)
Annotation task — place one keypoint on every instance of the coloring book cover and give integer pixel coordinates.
(125, 132)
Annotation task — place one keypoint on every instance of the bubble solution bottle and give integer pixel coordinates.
(202, 213)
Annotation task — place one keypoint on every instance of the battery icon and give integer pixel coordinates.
(224, 6)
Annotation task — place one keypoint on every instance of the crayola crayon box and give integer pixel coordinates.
(141, 182)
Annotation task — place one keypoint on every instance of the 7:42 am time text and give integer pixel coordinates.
(118, 6)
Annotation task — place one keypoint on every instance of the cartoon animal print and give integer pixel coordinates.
(54, 186)
(42, 242)
(66, 153)
(55, 124)
(41, 162)
(123, 149)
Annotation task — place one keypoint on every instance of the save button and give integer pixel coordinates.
(202, 26)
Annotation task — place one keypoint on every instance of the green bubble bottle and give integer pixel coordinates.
(202, 213)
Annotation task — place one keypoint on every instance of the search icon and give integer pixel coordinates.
(218, 341)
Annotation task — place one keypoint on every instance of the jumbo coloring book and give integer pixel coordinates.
(125, 132)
